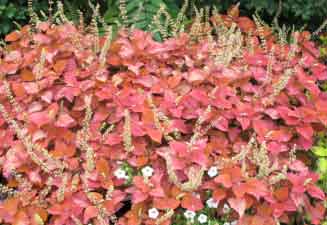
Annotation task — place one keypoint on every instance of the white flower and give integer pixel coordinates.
(211, 203)
(147, 171)
(226, 208)
(230, 223)
(153, 213)
(202, 218)
(189, 214)
(213, 171)
(120, 174)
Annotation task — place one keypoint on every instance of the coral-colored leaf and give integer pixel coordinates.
(315, 192)
(219, 194)
(306, 131)
(191, 202)
(196, 76)
(246, 24)
(27, 75)
(11, 205)
(13, 36)
(221, 123)
(157, 192)
(179, 148)
(281, 135)
(281, 194)
(113, 139)
(63, 150)
(199, 157)
(65, 120)
(238, 204)
(89, 213)
(40, 118)
(21, 218)
(165, 203)
(225, 180)
(102, 167)
(154, 134)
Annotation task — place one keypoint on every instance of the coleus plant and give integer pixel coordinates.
(215, 118)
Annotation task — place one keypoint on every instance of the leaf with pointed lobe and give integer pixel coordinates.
(191, 202)
(238, 204)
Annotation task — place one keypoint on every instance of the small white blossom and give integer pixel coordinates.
(213, 171)
(231, 223)
(147, 171)
(211, 203)
(202, 218)
(189, 214)
(120, 174)
(226, 208)
(153, 213)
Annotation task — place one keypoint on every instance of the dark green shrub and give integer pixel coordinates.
(15, 13)
(10, 12)
(308, 13)
(301, 13)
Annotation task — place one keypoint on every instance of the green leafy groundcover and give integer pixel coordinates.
(301, 13)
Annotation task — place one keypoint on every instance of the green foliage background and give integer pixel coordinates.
(307, 13)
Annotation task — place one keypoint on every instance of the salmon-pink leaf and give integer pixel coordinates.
(238, 204)
(191, 202)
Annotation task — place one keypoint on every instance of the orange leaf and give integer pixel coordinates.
(281, 194)
(165, 203)
(154, 134)
(225, 180)
(258, 220)
(11, 182)
(191, 202)
(175, 192)
(238, 204)
(133, 215)
(141, 161)
(27, 75)
(11, 205)
(249, 200)
(62, 149)
(246, 24)
(147, 115)
(102, 167)
(38, 215)
(236, 172)
(89, 213)
(42, 213)
(60, 66)
(21, 218)
(219, 194)
(13, 36)
(18, 89)
(174, 81)
(264, 209)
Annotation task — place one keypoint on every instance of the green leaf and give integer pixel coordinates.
(322, 165)
(132, 5)
(11, 11)
(320, 151)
